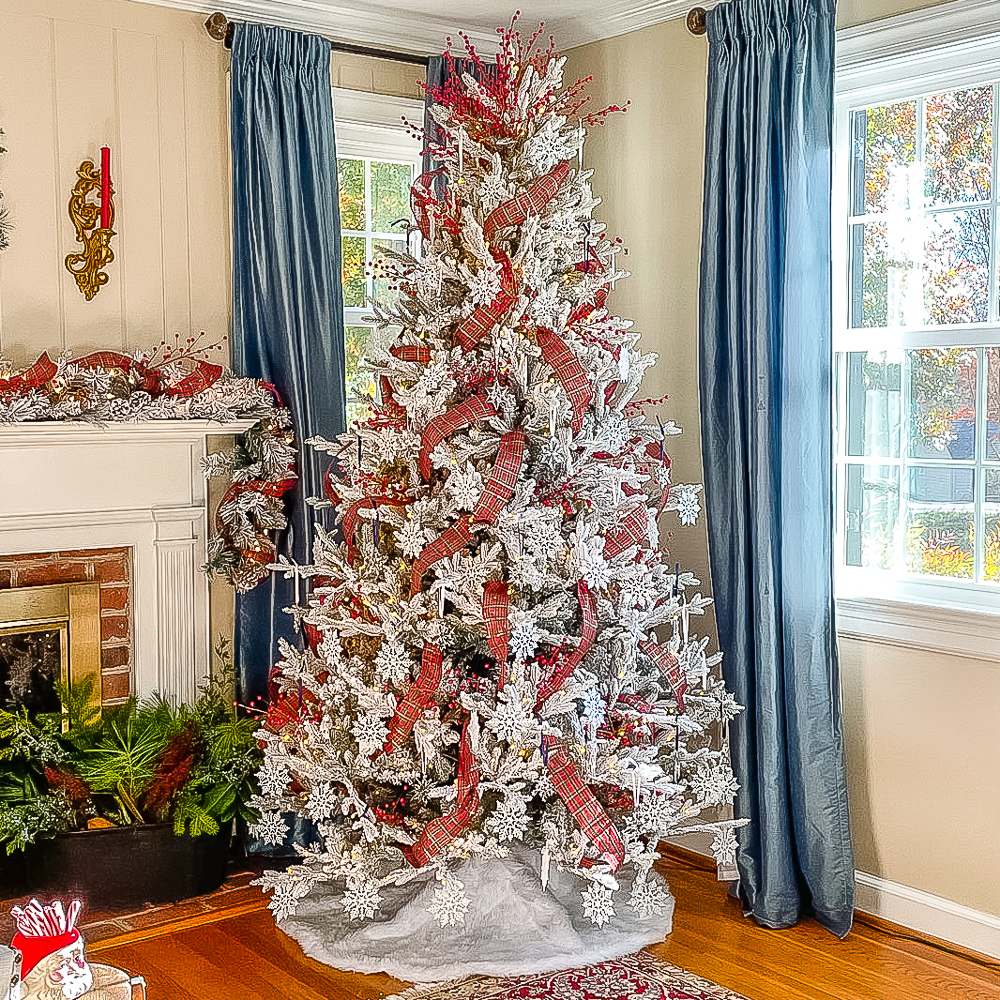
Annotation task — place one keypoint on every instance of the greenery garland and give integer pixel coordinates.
(177, 382)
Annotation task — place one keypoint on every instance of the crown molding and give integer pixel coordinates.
(385, 27)
(619, 18)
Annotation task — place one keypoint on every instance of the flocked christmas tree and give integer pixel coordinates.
(501, 668)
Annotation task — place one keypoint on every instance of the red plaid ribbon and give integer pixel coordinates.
(440, 832)
(421, 197)
(450, 540)
(630, 532)
(496, 608)
(412, 352)
(419, 695)
(467, 412)
(263, 555)
(204, 376)
(530, 202)
(43, 370)
(111, 359)
(582, 803)
(585, 309)
(568, 370)
(483, 319)
(669, 667)
(503, 479)
(588, 612)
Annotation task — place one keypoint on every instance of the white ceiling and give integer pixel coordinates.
(420, 26)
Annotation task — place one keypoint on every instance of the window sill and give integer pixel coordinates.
(953, 630)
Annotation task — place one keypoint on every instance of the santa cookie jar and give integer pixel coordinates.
(54, 966)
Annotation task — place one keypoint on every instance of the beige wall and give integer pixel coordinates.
(648, 171)
(148, 82)
(376, 76)
(921, 729)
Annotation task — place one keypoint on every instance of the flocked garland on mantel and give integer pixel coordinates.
(178, 383)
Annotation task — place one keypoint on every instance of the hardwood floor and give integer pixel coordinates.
(244, 955)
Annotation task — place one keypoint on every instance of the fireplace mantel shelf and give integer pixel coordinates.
(32, 432)
(72, 485)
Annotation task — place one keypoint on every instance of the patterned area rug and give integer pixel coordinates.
(635, 977)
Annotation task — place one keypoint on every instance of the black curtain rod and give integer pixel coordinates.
(221, 29)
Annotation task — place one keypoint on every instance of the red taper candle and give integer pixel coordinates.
(105, 187)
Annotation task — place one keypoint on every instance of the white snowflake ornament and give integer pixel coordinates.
(450, 903)
(598, 904)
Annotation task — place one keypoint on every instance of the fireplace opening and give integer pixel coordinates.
(32, 660)
(48, 634)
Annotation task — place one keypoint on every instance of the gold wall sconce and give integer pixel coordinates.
(93, 225)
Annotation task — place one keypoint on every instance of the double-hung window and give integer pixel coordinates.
(917, 311)
(377, 161)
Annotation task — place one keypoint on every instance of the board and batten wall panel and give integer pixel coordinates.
(148, 82)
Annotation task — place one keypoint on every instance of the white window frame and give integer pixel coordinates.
(928, 51)
(370, 126)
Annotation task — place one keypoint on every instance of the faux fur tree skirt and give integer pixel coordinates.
(513, 926)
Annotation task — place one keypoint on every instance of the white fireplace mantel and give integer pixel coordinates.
(66, 486)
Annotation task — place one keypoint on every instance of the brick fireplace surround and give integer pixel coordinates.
(110, 568)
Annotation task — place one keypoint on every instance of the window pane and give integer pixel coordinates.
(353, 270)
(885, 150)
(874, 403)
(992, 404)
(991, 540)
(359, 381)
(390, 195)
(957, 266)
(940, 540)
(958, 148)
(885, 273)
(872, 515)
(385, 289)
(942, 420)
(351, 181)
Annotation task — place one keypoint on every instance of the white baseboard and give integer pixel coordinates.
(927, 914)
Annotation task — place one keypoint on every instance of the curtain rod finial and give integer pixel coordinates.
(217, 26)
(696, 21)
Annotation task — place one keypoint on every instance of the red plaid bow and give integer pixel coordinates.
(530, 202)
(448, 542)
(418, 353)
(588, 612)
(630, 532)
(43, 370)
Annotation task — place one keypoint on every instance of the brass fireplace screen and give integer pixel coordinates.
(48, 633)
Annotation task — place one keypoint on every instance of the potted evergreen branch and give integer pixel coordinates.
(130, 806)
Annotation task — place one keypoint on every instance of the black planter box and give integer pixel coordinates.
(13, 881)
(127, 867)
